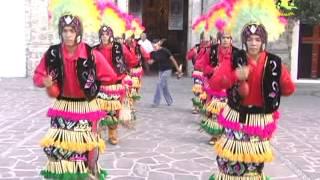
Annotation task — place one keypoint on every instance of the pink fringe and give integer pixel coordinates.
(138, 74)
(198, 77)
(127, 82)
(118, 92)
(91, 116)
(265, 133)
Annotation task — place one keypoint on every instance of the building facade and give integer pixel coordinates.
(39, 35)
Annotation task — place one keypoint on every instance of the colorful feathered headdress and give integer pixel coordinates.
(112, 16)
(86, 10)
(216, 19)
(219, 15)
(252, 14)
(200, 25)
(137, 27)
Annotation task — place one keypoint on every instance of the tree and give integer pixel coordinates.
(308, 11)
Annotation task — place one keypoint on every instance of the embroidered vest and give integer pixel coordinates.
(86, 71)
(118, 59)
(270, 84)
(214, 54)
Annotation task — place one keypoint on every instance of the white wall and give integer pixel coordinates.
(123, 5)
(12, 37)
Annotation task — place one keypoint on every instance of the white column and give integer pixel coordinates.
(12, 35)
(194, 11)
(295, 51)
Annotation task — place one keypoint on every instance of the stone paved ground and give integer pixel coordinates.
(166, 143)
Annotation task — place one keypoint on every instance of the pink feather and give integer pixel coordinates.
(220, 24)
(283, 20)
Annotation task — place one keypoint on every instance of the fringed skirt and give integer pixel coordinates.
(127, 115)
(110, 98)
(136, 74)
(197, 88)
(216, 101)
(245, 145)
(72, 138)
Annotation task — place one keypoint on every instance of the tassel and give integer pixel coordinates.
(71, 140)
(249, 152)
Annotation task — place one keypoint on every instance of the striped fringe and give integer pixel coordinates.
(109, 105)
(136, 72)
(203, 96)
(64, 166)
(262, 125)
(211, 126)
(76, 106)
(197, 88)
(113, 90)
(78, 141)
(125, 113)
(135, 95)
(215, 106)
(67, 170)
(76, 110)
(127, 81)
(136, 83)
(241, 151)
(222, 176)
(197, 75)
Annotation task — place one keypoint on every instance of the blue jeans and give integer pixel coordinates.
(162, 85)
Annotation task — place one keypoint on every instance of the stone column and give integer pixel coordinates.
(41, 36)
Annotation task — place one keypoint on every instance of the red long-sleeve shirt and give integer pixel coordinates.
(224, 77)
(203, 53)
(71, 84)
(224, 54)
(129, 58)
(191, 54)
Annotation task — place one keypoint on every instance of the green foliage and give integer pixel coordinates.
(308, 11)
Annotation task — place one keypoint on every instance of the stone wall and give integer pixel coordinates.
(39, 35)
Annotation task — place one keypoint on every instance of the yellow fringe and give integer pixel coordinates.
(252, 176)
(203, 96)
(136, 70)
(136, 82)
(260, 120)
(248, 152)
(113, 87)
(215, 106)
(125, 112)
(76, 106)
(64, 166)
(109, 105)
(197, 88)
(72, 140)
